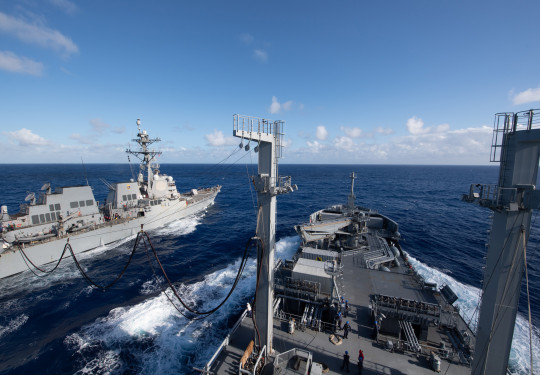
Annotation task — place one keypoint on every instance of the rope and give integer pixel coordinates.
(528, 303)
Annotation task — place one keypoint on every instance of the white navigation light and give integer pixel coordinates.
(138, 122)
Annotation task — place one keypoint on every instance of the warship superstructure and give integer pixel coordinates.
(38, 234)
(351, 271)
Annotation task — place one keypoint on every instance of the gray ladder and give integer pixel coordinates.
(412, 341)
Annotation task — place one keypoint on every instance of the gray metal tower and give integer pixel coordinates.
(516, 145)
(268, 136)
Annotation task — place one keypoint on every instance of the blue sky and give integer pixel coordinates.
(375, 82)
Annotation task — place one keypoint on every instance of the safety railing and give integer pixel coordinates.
(509, 122)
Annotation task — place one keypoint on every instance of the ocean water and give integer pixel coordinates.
(58, 324)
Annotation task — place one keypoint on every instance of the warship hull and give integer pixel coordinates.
(41, 253)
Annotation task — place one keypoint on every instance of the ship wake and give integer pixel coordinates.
(469, 297)
(152, 337)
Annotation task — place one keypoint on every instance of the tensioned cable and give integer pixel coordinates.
(212, 170)
(491, 276)
(528, 302)
(250, 183)
(511, 275)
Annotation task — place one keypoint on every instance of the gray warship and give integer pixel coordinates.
(38, 234)
(351, 269)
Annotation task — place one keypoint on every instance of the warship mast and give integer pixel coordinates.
(516, 145)
(146, 156)
(268, 136)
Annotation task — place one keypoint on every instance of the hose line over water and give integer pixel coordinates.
(143, 237)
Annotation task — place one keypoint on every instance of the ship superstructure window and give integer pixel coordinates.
(74, 204)
(41, 218)
(124, 198)
(48, 217)
(57, 206)
(51, 207)
(89, 202)
(35, 219)
(133, 196)
(81, 204)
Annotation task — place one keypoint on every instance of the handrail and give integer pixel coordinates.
(225, 342)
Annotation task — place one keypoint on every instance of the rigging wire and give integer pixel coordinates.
(250, 183)
(528, 303)
(484, 351)
(477, 308)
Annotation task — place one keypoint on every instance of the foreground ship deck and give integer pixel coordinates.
(432, 322)
(378, 359)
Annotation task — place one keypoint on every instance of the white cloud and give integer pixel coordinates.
(276, 106)
(442, 128)
(25, 137)
(314, 147)
(416, 126)
(246, 38)
(65, 5)
(99, 126)
(218, 139)
(287, 142)
(385, 131)
(37, 34)
(260, 55)
(13, 63)
(527, 96)
(344, 144)
(322, 133)
(81, 138)
(287, 105)
(352, 132)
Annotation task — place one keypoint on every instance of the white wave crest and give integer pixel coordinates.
(182, 226)
(162, 340)
(468, 300)
(13, 325)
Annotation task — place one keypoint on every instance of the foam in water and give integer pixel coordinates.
(469, 297)
(13, 325)
(157, 336)
(182, 226)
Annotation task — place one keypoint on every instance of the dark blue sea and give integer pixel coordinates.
(60, 325)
